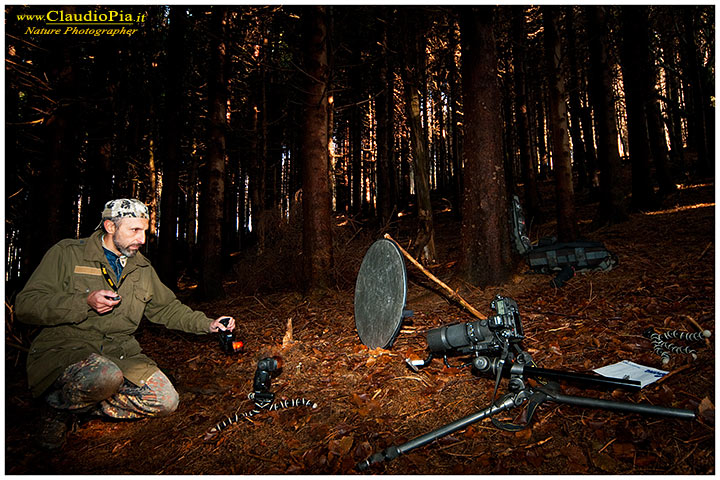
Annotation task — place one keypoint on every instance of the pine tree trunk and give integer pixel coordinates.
(317, 214)
(589, 142)
(171, 138)
(578, 146)
(672, 99)
(213, 186)
(485, 256)
(634, 54)
(51, 195)
(612, 207)
(658, 144)
(455, 133)
(527, 165)
(567, 228)
(423, 245)
(387, 183)
(543, 164)
(698, 133)
(259, 156)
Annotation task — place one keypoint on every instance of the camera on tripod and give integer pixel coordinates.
(493, 343)
(485, 336)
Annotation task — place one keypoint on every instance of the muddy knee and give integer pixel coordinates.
(168, 402)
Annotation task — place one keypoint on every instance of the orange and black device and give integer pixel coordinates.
(228, 343)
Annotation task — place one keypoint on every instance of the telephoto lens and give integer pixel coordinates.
(451, 337)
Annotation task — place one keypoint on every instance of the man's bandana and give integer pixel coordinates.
(124, 207)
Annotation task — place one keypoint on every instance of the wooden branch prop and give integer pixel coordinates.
(452, 293)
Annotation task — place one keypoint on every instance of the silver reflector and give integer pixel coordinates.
(380, 294)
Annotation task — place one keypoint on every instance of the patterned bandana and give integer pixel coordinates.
(123, 207)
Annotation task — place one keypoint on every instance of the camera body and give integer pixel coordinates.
(481, 336)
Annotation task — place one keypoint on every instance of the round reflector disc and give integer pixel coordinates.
(380, 294)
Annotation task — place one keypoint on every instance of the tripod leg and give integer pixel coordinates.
(621, 406)
(392, 452)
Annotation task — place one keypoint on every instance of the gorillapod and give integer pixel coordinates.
(519, 394)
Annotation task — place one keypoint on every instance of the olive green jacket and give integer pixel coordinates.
(55, 297)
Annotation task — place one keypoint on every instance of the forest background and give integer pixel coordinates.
(235, 124)
(275, 143)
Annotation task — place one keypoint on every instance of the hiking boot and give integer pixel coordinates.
(54, 427)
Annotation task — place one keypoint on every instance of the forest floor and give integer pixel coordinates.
(368, 400)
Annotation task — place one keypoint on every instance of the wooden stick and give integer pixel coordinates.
(453, 294)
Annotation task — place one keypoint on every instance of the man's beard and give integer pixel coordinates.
(124, 249)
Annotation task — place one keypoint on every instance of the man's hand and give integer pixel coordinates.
(102, 300)
(216, 326)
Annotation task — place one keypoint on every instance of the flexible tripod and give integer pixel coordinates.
(262, 397)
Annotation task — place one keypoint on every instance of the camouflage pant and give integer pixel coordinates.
(96, 385)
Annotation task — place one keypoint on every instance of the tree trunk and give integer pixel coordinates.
(698, 133)
(485, 256)
(612, 203)
(356, 160)
(455, 144)
(573, 87)
(567, 226)
(527, 165)
(317, 213)
(589, 142)
(509, 161)
(634, 55)
(423, 245)
(543, 164)
(672, 100)
(658, 144)
(387, 179)
(213, 185)
(170, 147)
(52, 201)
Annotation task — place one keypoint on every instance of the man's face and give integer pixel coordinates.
(128, 235)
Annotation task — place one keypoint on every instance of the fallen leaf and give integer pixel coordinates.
(340, 447)
(707, 410)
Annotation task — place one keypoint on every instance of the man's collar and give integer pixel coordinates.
(121, 258)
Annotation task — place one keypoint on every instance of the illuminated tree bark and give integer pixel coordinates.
(213, 183)
(170, 149)
(423, 245)
(317, 211)
(567, 227)
(527, 166)
(485, 241)
(612, 207)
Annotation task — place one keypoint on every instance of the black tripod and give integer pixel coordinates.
(520, 394)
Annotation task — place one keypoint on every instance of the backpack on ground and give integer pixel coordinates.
(550, 257)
